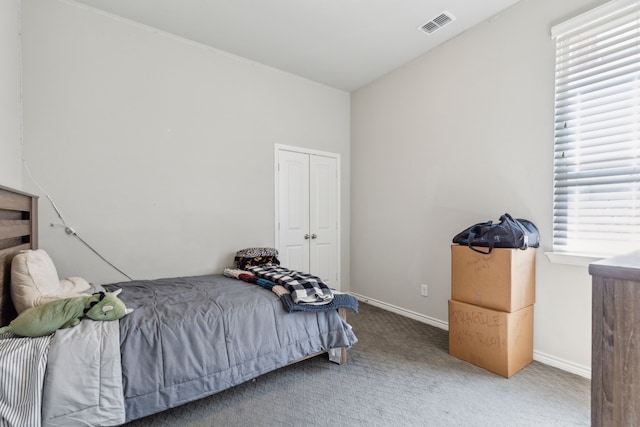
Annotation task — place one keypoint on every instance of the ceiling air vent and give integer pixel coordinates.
(436, 23)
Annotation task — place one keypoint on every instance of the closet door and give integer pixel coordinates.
(307, 210)
(323, 218)
(293, 210)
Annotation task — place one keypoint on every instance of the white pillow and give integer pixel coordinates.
(34, 281)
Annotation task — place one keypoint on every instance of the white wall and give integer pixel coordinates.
(458, 136)
(10, 104)
(159, 151)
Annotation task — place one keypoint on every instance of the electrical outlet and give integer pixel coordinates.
(424, 290)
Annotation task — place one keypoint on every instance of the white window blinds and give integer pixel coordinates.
(596, 202)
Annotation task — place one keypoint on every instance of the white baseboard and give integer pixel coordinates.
(563, 364)
(538, 356)
(403, 312)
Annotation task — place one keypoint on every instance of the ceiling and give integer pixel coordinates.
(344, 44)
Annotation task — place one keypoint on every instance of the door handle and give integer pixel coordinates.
(306, 237)
(314, 236)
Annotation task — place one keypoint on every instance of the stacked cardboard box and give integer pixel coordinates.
(491, 308)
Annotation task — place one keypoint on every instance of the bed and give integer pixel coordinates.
(187, 338)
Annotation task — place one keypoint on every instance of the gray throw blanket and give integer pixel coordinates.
(339, 301)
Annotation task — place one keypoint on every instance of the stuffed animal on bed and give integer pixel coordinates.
(66, 313)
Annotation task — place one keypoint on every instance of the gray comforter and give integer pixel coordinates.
(191, 337)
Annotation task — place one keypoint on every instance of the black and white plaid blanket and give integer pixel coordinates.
(305, 288)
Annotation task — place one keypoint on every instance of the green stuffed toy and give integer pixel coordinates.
(66, 313)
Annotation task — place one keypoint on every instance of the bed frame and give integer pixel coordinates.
(18, 231)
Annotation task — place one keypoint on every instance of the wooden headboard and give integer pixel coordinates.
(18, 231)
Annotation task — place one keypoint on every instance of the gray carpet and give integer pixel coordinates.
(398, 374)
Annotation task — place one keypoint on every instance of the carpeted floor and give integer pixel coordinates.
(398, 374)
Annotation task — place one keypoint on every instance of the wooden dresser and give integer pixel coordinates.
(615, 355)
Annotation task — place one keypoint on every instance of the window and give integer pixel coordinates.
(596, 202)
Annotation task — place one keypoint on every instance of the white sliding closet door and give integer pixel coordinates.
(307, 213)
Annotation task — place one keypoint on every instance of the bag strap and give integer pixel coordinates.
(472, 234)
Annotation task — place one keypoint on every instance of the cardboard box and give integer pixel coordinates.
(502, 280)
(494, 340)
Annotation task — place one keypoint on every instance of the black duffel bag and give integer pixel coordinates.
(508, 233)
